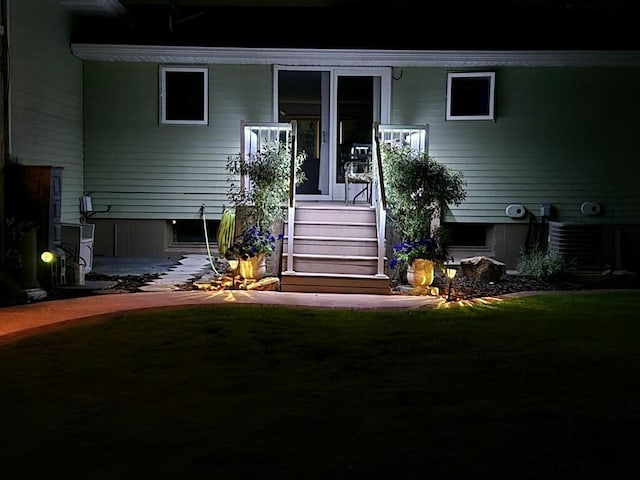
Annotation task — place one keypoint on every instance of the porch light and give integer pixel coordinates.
(48, 257)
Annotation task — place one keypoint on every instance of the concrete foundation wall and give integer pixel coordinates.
(505, 242)
(137, 238)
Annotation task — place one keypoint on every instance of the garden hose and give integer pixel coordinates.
(206, 239)
(226, 231)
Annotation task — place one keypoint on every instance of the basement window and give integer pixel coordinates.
(466, 234)
(184, 95)
(192, 231)
(470, 96)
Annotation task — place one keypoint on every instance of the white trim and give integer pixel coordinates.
(355, 57)
(163, 95)
(492, 85)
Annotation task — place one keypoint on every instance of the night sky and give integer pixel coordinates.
(402, 24)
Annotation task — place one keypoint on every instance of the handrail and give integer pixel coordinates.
(380, 172)
(379, 201)
(292, 171)
(291, 209)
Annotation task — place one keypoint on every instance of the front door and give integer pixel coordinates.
(335, 108)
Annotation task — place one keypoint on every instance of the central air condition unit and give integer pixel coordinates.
(578, 243)
(77, 243)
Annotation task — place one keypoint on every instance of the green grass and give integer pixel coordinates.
(544, 387)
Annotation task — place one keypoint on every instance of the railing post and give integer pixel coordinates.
(379, 201)
(291, 207)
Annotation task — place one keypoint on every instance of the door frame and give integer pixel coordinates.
(336, 191)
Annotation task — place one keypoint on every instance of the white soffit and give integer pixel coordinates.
(350, 57)
(97, 7)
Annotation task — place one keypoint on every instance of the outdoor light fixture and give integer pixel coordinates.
(48, 257)
(450, 272)
(57, 261)
(233, 264)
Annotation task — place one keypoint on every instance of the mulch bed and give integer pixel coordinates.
(462, 287)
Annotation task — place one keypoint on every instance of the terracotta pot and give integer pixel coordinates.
(420, 273)
(254, 268)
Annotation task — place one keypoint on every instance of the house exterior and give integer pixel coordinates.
(553, 149)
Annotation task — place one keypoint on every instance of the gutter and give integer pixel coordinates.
(354, 57)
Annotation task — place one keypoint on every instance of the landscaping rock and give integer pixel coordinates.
(265, 284)
(484, 269)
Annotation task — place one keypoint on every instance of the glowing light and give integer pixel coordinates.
(233, 264)
(48, 257)
(450, 272)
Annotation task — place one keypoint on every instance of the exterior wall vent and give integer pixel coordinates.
(578, 243)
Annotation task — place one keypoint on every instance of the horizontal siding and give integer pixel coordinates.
(141, 169)
(46, 96)
(561, 136)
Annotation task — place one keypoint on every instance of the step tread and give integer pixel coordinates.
(337, 239)
(320, 256)
(334, 207)
(331, 222)
(336, 275)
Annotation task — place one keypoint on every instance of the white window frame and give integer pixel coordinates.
(450, 93)
(163, 95)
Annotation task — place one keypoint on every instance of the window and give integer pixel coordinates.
(466, 234)
(470, 96)
(184, 95)
(192, 231)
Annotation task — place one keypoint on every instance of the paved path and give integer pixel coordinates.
(25, 319)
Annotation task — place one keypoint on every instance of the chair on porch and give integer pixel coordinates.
(358, 170)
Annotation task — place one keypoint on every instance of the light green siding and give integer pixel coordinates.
(145, 170)
(561, 136)
(46, 95)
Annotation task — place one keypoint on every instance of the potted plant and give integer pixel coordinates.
(251, 250)
(420, 258)
(263, 203)
(417, 188)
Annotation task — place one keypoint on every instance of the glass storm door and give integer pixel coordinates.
(334, 109)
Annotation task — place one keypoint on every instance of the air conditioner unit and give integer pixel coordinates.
(77, 243)
(578, 243)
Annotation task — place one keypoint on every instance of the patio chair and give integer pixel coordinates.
(358, 170)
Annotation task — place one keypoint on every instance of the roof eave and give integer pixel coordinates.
(354, 57)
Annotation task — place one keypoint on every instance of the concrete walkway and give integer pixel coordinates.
(23, 320)
(164, 292)
(18, 321)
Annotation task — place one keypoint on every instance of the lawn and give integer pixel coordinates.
(544, 387)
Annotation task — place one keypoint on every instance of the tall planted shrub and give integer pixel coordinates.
(268, 172)
(417, 188)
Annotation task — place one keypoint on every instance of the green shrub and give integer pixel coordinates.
(268, 172)
(542, 264)
(417, 188)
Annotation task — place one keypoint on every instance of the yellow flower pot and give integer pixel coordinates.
(254, 268)
(420, 273)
